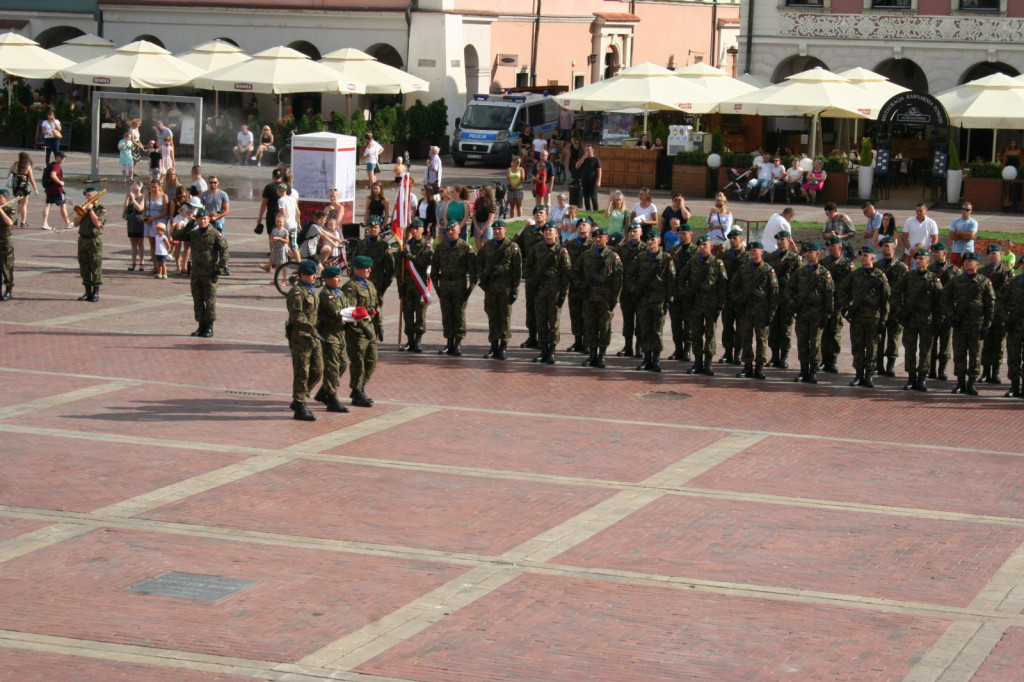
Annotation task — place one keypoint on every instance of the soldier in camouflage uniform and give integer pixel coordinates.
(209, 255)
(418, 252)
(733, 257)
(331, 329)
(680, 254)
(548, 278)
(839, 266)
(704, 285)
(894, 270)
(527, 238)
(90, 246)
(379, 251)
(576, 246)
(303, 342)
(970, 305)
(654, 280)
(785, 262)
(864, 300)
(916, 301)
(992, 344)
(628, 250)
(755, 293)
(941, 328)
(454, 262)
(600, 271)
(501, 267)
(360, 341)
(1011, 310)
(812, 299)
(7, 215)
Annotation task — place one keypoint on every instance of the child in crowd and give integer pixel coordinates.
(332, 251)
(161, 247)
(540, 182)
(567, 227)
(154, 161)
(198, 182)
(166, 155)
(124, 149)
(279, 242)
(671, 237)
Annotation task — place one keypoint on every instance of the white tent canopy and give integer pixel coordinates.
(717, 81)
(645, 86)
(136, 65)
(214, 55)
(22, 57)
(995, 101)
(84, 48)
(279, 70)
(378, 77)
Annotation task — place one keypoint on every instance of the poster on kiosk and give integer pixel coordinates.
(322, 162)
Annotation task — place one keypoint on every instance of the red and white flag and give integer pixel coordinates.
(403, 208)
(421, 286)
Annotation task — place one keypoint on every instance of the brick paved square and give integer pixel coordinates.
(38, 386)
(388, 506)
(39, 666)
(556, 628)
(305, 598)
(12, 528)
(196, 415)
(968, 482)
(1006, 660)
(39, 473)
(873, 555)
(563, 447)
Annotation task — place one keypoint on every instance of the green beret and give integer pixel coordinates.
(539, 207)
(374, 220)
(600, 232)
(970, 255)
(783, 234)
(886, 240)
(362, 262)
(833, 240)
(586, 219)
(703, 238)
(307, 267)
(550, 224)
(993, 248)
(4, 191)
(332, 271)
(452, 224)
(755, 245)
(685, 227)
(416, 223)
(734, 233)
(90, 188)
(869, 249)
(654, 234)
(921, 253)
(812, 246)
(940, 246)
(200, 212)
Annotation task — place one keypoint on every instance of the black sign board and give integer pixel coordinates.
(912, 108)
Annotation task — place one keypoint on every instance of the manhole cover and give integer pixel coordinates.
(665, 395)
(192, 586)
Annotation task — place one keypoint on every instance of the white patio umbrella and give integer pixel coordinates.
(212, 56)
(84, 48)
(379, 78)
(136, 65)
(995, 102)
(22, 57)
(716, 80)
(876, 84)
(279, 71)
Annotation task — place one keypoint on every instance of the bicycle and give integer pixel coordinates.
(287, 275)
(559, 171)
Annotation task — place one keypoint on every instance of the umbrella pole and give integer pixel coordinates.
(645, 119)
(995, 134)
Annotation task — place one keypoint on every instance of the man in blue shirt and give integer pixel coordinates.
(962, 233)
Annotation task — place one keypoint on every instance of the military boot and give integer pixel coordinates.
(857, 379)
(303, 414)
(95, 295)
(866, 381)
(493, 352)
(7, 293)
(1014, 391)
(773, 361)
(941, 374)
(541, 351)
(933, 370)
(985, 376)
(457, 348)
(921, 384)
(576, 345)
(208, 330)
(592, 360)
(783, 359)
(698, 367)
(407, 346)
(747, 371)
(654, 363)
(971, 389)
(890, 367)
(708, 365)
(502, 350)
(447, 350)
(961, 385)
(600, 357)
(294, 405)
(686, 352)
(359, 399)
(879, 367)
(830, 365)
(677, 353)
(803, 373)
(199, 330)
(333, 404)
(321, 396)
(531, 341)
(627, 350)
(994, 375)
(812, 375)
(646, 363)
(549, 354)
(87, 296)
(911, 381)
(726, 357)
(759, 371)
(415, 347)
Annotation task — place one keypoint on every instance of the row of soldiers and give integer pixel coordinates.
(759, 296)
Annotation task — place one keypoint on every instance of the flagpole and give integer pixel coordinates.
(401, 280)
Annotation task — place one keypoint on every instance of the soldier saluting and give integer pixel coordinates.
(209, 255)
(785, 262)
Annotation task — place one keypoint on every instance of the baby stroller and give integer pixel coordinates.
(737, 182)
(501, 199)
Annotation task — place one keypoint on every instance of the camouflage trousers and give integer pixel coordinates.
(307, 365)
(917, 344)
(333, 350)
(90, 261)
(967, 352)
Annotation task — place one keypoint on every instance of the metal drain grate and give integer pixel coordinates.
(665, 395)
(247, 394)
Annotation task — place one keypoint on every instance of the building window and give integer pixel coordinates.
(805, 3)
(891, 4)
(982, 5)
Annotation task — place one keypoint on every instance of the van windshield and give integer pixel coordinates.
(488, 117)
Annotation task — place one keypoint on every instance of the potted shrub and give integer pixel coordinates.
(866, 171)
(837, 180)
(954, 175)
(418, 120)
(983, 186)
(437, 117)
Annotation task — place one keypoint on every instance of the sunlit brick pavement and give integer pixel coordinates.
(485, 520)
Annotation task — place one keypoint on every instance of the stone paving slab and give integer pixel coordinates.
(12, 528)
(35, 666)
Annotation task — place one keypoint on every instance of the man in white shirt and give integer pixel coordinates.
(764, 176)
(243, 145)
(919, 232)
(777, 223)
(371, 156)
(433, 174)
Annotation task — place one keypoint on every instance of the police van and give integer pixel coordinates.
(489, 128)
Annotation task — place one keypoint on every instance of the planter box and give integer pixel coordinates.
(985, 194)
(692, 181)
(837, 188)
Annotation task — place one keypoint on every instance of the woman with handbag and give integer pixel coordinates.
(19, 179)
(134, 207)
